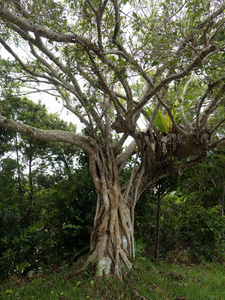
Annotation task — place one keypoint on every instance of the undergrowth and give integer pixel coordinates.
(147, 280)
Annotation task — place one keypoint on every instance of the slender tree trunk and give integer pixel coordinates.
(30, 197)
(18, 171)
(30, 160)
(158, 227)
(222, 199)
(160, 199)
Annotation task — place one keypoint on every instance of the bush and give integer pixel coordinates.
(12, 250)
(204, 231)
(56, 228)
(194, 230)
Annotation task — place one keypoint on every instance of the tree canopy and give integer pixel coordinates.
(145, 74)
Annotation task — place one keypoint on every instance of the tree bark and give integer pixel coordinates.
(112, 238)
(112, 235)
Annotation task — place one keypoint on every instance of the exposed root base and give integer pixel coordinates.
(88, 266)
(138, 296)
(74, 274)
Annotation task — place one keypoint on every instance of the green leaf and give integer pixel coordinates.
(155, 63)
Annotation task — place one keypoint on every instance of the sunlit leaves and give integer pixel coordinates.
(163, 121)
(160, 120)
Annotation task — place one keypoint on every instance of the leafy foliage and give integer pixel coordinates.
(42, 213)
(204, 231)
(191, 220)
(163, 122)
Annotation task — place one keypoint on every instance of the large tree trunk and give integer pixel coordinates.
(112, 235)
(112, 238)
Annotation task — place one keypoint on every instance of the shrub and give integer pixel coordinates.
(204, 231)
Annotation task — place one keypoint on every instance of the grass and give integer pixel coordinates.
(149, 279)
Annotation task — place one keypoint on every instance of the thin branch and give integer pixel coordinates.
(9, 49)
(213, 104)
(220, 24)
(70, 108)
(134, 169)
(58, 62)
(137, 186)
(153, 116)
(216, 144)
(122, 158)
(214, 15)
(117, 20)
(98, 22)
(181, 108)
(152, 91)
(120, 143)
(36, 90)
(54, 81)
(103, 84)
(217, 126)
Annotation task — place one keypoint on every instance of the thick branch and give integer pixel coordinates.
(39, 30)
(85, 143)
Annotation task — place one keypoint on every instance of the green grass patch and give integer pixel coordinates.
(149, 279)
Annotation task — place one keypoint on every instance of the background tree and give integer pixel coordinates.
(114, 63)
(205, 185)
(45, 211)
